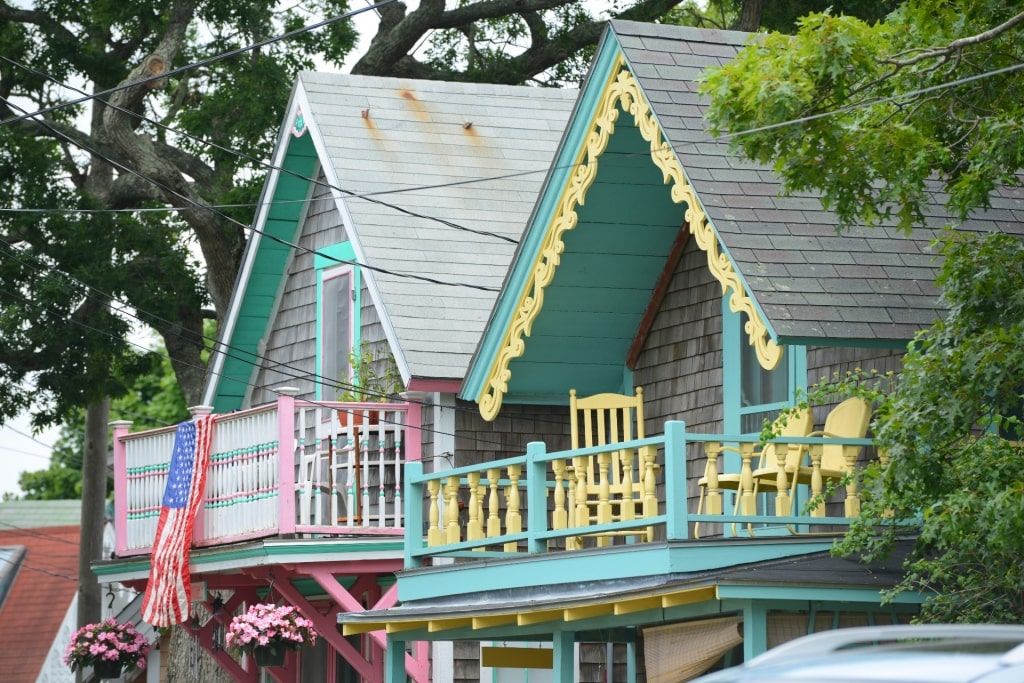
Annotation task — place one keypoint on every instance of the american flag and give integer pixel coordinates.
(169, 592)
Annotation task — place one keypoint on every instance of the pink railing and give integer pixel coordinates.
(291, 467)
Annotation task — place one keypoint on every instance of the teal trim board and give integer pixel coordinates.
(260, 290)
(564, 164)
(640, 560)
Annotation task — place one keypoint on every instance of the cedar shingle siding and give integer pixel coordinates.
(291, 340)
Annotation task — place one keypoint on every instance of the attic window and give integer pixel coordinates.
(336, 330)
(338, 312)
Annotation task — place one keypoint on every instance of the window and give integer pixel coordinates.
(338, 300)
(751, 393)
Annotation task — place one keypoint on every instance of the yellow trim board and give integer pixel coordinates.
(687, 596)
(517, 657)
(538, 617)
(493, 620)
(622, 90)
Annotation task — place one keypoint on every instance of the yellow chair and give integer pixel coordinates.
(615, 485)
(770, 457)
(829, 462)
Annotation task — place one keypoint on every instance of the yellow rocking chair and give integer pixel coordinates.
(614, 485)
(771, 458)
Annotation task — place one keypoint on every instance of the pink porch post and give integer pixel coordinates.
(120, 428)
(413, 432)
(286, 459)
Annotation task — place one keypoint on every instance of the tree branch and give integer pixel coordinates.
(957, 45)
(38, 18)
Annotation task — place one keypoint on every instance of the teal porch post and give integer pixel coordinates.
(564, 657)
(631, 661)
(755, 630)
(394, 661)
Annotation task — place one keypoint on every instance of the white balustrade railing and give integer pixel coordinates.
(338, 471)
(242, 483)
(350, 462)
(148, 462)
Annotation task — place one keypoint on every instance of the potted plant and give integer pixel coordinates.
(107, 647)
(268, 631)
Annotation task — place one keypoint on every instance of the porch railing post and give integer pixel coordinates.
(120, 428)
(676, 522)
(413, 512)
(536, 495)
(286, 459)
(412, 440)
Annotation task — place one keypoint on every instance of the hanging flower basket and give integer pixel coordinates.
(269, 656)
(268, 631)
(108, 647)
(107, 670)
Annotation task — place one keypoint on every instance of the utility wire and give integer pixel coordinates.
(28, 436)
(7, 449)
(126, 169)
(270, 166)
(315, 379)
(22, 563)
(104, 94)
(871, 103)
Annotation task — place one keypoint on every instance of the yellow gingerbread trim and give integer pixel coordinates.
(622, 91)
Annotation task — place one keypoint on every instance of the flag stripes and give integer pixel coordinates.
(169, 591)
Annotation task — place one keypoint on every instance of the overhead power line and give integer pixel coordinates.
(286, 369)
(127, 169)
(105, 94)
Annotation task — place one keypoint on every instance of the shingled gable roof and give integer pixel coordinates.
(453, 141)
(587, 268)
(864, 286)
(44, 582)
(471, 154)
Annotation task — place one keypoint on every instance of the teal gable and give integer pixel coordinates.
(637, 185)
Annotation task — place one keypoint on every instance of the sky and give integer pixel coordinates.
(20, 451)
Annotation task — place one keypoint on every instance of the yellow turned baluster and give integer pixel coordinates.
(581, 515)
(493, 520)
(513, 518)
(713, 497)
(782, 480)
(559, 516)
(451, 510)
(433, 528)
(819, 509)
(648, 455)
(474, 527)
(604, 492)
(852, 495)
(748, 503)
(628, 507)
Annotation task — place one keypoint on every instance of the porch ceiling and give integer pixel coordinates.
(605, 279)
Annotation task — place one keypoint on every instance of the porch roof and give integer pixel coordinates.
(815, 576)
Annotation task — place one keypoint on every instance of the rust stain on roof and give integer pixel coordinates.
(415, 104)
(368, 122)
